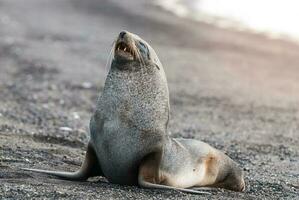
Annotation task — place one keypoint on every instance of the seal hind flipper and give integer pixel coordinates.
(90, 167)
(148, 175)
(146, 184)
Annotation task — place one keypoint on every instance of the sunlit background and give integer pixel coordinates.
(274, 18)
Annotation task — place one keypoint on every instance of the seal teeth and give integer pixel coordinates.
(121, 46)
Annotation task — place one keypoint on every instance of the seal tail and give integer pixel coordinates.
(90, 167)
(147, 184)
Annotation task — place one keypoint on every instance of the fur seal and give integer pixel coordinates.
(131, 116)
(129, 128)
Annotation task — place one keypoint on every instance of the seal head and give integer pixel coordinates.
(131, 52)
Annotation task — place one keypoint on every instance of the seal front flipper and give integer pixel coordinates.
(146, 184)
(89, 168)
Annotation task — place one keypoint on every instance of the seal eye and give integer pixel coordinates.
(142, 45)
(143, 48)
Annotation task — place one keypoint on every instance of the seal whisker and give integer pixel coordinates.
(137, 53)
(113, 43)
(139, 57)
(110, 57)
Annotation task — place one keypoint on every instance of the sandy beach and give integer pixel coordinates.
(237, 91)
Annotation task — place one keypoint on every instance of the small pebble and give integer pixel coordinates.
(76, 115)
(86, 85)
(64, 128)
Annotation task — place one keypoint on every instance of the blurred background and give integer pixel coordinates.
(233, 75)
(273, 18)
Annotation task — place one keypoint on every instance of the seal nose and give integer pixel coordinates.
(122, 34)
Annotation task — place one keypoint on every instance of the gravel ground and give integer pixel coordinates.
(237, 91)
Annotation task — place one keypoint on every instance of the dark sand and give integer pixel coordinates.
(235, 90)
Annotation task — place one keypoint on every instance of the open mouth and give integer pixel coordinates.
(124, 50)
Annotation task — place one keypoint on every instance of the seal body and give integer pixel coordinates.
(130, 120)
(131, 116)
(132, 113)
